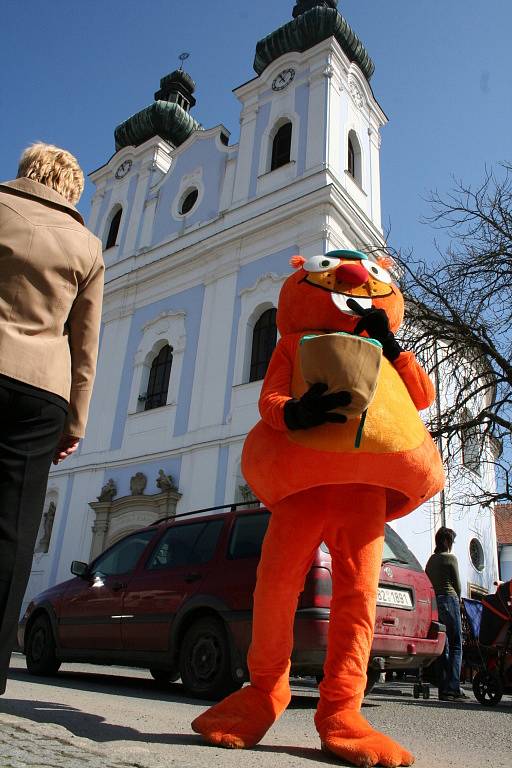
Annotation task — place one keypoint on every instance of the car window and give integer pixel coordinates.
(395, 551)
(191, 544)
(123, 556)
(247, 536)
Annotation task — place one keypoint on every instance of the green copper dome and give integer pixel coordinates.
(178, 82)
(167, 117)
(314, 21)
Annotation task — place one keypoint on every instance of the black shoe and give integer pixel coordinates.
(460, 695)
(446, 697)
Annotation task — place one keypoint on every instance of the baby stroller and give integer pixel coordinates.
(490, 643)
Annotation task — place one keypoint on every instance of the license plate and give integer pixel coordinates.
(400, 598)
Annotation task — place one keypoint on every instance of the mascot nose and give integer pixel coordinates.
(351, 273)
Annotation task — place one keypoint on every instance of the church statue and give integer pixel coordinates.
(138, 484)
(165, 482)
(108, 491)
(248, 496)
(48, 518)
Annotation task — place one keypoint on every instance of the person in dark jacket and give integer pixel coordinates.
(443, 571)
(51, 288)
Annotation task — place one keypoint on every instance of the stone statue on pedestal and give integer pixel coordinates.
(165, 482)
(138, 484)
(48, 518)
(108, 491)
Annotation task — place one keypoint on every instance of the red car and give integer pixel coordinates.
(176, 597)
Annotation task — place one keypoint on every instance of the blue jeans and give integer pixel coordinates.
(449, 663)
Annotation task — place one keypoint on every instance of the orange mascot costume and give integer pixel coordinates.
(326, 477)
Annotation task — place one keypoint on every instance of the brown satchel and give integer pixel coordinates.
(345, 362)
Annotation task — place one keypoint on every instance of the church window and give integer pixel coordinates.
(477, 555)
(263, 343)
(188, 202)
(354, 165)
(158, 383)
(351, 158)
(471, 444)
(281, 146)
(113, 230)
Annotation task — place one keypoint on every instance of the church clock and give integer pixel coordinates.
(283, 79)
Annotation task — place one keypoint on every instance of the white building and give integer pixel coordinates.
(198, 234)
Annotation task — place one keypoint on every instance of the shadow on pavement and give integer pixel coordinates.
(137, 687)
(470, 704)
(86, 725)
(94, 728)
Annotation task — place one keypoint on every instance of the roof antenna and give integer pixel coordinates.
(183, 57)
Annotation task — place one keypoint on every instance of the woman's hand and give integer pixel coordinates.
(67, 445)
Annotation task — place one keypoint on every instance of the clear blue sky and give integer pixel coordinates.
(71, 71)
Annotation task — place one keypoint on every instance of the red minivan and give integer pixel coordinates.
(176, 598)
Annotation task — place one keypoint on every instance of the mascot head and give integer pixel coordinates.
(315, 296)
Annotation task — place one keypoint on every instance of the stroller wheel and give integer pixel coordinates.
(487, 688)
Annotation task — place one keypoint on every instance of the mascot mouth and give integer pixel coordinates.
(363, 293)
(340, 302)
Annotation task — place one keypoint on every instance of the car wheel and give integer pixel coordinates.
(372, 677)
(205, 660)
(162, 676)
(487, 688)
(40, 648)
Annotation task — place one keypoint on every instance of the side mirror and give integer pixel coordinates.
(80, 569)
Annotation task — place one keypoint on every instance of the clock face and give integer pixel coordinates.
(283, 79)
(123, 169)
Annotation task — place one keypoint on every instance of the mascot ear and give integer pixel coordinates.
(386, 262)
(297, 261)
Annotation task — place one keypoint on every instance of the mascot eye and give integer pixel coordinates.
(320, 264)
(376, 271)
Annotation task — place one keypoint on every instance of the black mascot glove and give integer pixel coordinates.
(313, 408)
(375, 322)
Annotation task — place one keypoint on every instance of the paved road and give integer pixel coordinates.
(112, 717)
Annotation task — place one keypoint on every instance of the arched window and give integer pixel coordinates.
(354, 164)
(264, 338)
(471, 444)
(159, 375)
(281, 146)
(114, 229)
(351, 158)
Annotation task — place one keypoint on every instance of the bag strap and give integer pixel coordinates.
(359, 435)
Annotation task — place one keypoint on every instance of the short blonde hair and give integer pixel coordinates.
(54, 167)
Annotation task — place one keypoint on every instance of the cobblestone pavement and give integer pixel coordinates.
(49, 746)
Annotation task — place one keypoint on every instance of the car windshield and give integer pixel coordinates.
(395, 551)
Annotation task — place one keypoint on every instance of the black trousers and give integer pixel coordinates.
(30, 429)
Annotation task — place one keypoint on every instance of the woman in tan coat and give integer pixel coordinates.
(51, 288)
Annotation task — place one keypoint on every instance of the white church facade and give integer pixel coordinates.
(198, 235)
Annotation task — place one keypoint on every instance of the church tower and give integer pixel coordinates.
(311, 111)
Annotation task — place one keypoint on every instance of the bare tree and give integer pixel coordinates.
(464, 301)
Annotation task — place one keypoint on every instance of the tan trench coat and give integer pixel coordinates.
(51, 290)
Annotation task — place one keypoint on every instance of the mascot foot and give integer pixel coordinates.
(349, 736)
(242, 719)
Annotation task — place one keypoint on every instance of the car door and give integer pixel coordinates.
(91, 610)
(234, 583)
(174, 570)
